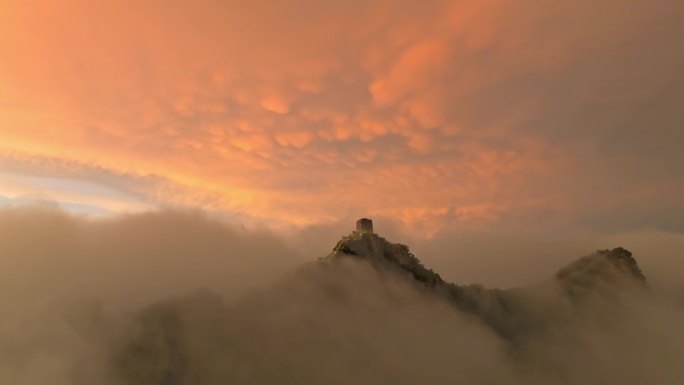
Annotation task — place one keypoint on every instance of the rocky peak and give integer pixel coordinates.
(382, 253)
(603, 269)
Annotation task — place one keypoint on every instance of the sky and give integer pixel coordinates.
(436, 116)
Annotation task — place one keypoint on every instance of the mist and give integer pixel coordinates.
(177, 297)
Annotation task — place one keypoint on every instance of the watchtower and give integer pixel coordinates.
(364, 226)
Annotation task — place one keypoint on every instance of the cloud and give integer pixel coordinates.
(120, 301)
(518, 107)
(152, 253)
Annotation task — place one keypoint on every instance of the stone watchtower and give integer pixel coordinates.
(364, 226)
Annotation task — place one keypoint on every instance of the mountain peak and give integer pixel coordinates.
(364, 244)
(603, 269)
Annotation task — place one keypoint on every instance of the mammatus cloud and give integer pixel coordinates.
(120, 301)
(439, 113)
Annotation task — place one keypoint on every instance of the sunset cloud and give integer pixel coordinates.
(296, 113)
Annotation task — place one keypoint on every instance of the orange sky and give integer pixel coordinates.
(301, 112)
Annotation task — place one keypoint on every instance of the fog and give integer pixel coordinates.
(177, 297)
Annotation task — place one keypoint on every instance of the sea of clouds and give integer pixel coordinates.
(179, 298)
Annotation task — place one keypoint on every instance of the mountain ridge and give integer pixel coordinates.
(602, 264)
(603, 273)
(334, 319)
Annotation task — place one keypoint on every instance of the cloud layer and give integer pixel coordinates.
(306, 112)
(132, 299)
